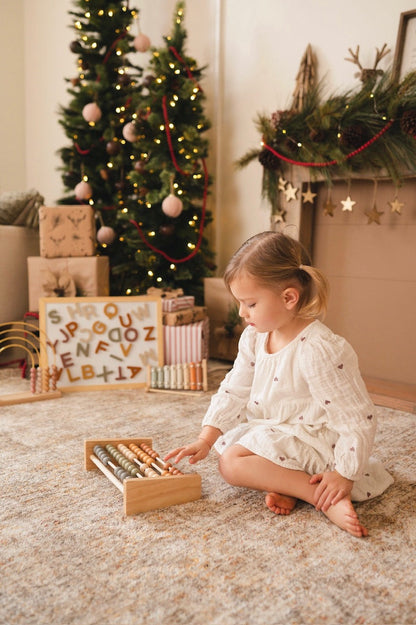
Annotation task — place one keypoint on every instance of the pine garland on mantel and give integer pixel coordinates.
(370, 131)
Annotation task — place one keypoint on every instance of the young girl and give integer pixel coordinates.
(293, 417)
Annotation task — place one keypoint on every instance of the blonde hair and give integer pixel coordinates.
(277, 262)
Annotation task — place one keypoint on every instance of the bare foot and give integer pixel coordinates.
(280, 504)
(344, 515)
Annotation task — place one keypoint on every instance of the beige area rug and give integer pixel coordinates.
(69, 556)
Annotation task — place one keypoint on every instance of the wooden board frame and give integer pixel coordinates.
(405, 52)
(143, 495)
(102, 342)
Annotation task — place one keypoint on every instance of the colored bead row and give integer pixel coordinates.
(134, 461)
(43, 380)
(184, 376)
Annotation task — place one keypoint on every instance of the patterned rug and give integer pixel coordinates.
(69, 555)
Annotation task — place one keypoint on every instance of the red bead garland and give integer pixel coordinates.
(333, 162)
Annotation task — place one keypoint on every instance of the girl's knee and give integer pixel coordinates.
(226, 467)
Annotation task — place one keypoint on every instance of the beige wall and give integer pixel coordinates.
(253, 51)
(12, 100)
(371, 270)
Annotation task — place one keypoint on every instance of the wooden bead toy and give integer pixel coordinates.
(184, 378)
(28, 338)
(140, 474)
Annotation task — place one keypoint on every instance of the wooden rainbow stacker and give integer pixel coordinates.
(142, 493)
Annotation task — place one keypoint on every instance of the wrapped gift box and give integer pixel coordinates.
(66, 231)
(16, 244)
(220, 303)
(178, 303)
(67, 277)
(184, 316)
(188, 343)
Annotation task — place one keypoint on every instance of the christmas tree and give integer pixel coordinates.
(104, 95)
(137, 154)
(163, 223)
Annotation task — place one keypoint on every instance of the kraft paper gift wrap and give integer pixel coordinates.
(184, 316)
(66, 231)
(57, 277)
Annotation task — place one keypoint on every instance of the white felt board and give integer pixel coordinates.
(101, 342)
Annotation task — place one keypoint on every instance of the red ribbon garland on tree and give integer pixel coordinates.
(201, 227)
(334, 162)
(184, 173)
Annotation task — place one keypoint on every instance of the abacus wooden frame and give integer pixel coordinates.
(142, 495)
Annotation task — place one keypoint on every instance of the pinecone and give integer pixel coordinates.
(269, 160)
(354, 136)
(408, 123)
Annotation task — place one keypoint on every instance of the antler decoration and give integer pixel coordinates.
(368, 74)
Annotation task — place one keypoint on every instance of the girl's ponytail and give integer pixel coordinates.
(313, 300)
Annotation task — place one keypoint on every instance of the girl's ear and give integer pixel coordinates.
(290, 297)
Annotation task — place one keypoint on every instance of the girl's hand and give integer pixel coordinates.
(198, 450)
(332, 488)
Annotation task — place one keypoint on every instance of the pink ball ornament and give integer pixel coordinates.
(129, 132)
(83, 191)
(105, 235)
(91, 112)
(141, 42)
(172, 206)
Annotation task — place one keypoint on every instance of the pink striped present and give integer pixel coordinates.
(187, 343)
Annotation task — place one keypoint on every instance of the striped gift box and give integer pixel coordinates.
(187, 343)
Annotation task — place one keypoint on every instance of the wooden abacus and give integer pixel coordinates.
(42, 378)
(140, 474)
(188, 378)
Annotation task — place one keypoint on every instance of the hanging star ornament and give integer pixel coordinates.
(347, 204)
(282, 183)
(329, 208)
(279, 217)
(290, 192)
(308, 196)
(396, 206)
(374, 215)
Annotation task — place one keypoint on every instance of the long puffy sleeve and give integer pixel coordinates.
(330, 367)
(227, 407)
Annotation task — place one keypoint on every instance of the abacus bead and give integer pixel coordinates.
(124, 450)
(121, 474)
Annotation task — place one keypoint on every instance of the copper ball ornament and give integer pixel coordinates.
(113, 148)
(167, 230)
(139, 166)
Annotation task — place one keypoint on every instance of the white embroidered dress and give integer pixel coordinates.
(305, 407)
